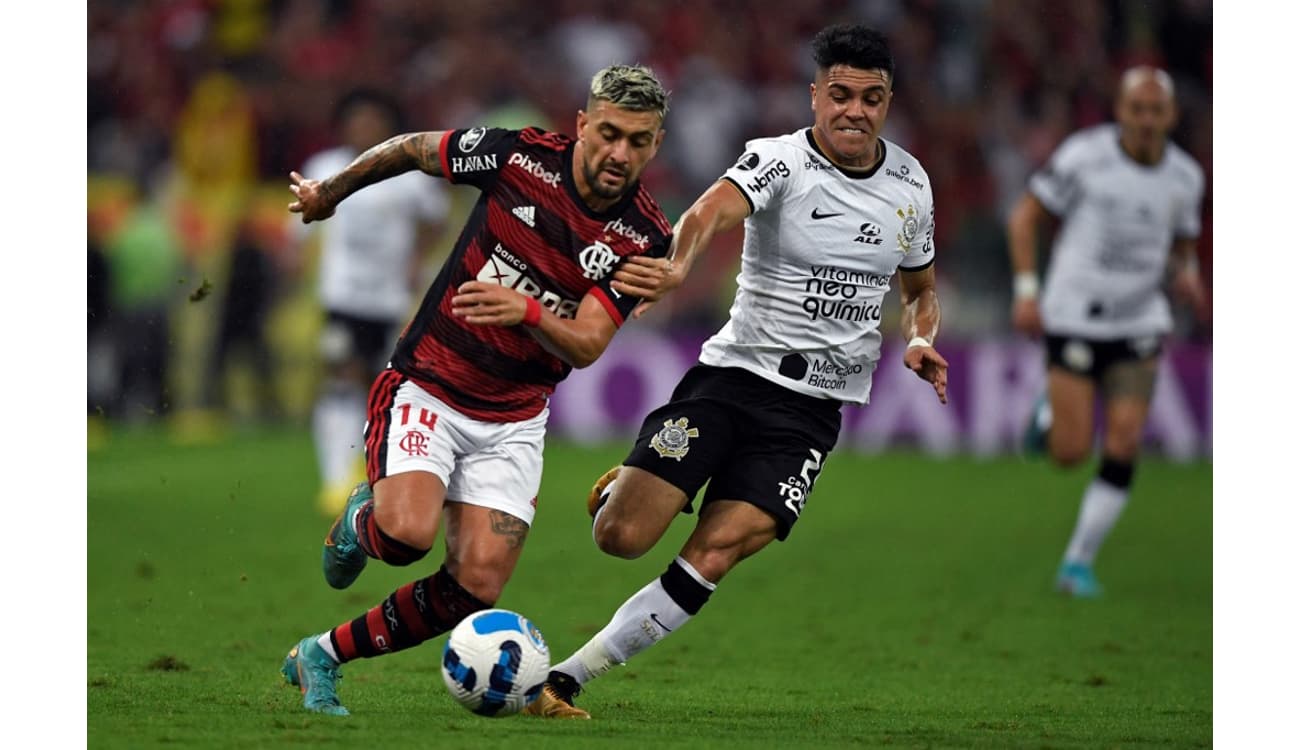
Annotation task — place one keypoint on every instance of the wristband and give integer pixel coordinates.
(532, 313)
(918, 341)
(1025, 285)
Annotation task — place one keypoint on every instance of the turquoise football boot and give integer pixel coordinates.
(1033, 442)
(1077, 580)
(342, 558)
(312, 671)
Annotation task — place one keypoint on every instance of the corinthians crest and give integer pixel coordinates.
(910, 225)
(674, 440)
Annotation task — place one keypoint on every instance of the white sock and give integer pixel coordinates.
(325, 643)
(1102, 504)
(640, 623)
(338, 426)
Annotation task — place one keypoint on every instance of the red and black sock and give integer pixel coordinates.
(381, 546)
(409, 616)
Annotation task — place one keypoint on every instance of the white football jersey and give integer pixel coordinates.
(821, 247)
(1119, 219)
(368, 245)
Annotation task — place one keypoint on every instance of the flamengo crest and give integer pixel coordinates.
(597, 260)
(674, 440)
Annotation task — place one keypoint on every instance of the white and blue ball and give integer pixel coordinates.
(495, 662)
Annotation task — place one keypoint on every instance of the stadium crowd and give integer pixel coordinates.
(199, 109)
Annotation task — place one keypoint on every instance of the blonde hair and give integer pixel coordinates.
(632, 87)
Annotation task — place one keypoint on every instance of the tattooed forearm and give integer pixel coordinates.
(508, 526)
(398, 154)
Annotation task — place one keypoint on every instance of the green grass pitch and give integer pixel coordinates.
(912, 607)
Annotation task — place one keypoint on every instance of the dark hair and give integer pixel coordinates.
(368, 97)
(854, 45)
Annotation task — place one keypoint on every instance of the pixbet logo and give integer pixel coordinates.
(618, 227)
(534, 168)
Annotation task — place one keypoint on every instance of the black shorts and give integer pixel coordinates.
(1091, 358)
(346, 337)
(748, 437)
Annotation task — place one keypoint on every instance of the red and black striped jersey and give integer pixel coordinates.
(529, 231)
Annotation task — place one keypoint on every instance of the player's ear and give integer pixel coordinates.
(582, 123)
(812, 95)
(659, 139)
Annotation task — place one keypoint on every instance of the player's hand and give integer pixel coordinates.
(484, 304)
(647, 278)
(313, 203)
(930, 367)
(1187, 286)
(1025, 317)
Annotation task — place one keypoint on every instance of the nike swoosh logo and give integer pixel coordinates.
(655, 617)
(816, 215)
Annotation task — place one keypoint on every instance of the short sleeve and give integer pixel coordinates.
(1188, 220)
(619, 306)
(920, 254)
(1056, 185)
(475, 156)
(762, 174)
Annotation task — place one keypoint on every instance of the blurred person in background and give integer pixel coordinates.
(371, 255)
(251, 283)
(831, 213)
(455, 424)
(1124, 195)
(144, 266)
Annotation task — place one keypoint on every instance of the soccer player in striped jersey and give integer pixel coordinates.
(831, 214)
(1124, 195)
(455, 423)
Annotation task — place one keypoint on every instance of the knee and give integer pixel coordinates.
(484, 582)
(1069, 453)
(412, 529)
(1122, 445)
(618, 538)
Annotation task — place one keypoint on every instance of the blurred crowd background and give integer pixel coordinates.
(199, 303)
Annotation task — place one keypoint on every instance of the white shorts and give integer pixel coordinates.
(491, 464)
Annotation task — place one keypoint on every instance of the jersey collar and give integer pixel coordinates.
(856, 174)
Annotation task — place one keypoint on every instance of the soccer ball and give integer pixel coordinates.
(495, 662)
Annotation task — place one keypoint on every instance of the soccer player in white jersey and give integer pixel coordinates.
(370, 255)
(1124, 195)
(831, 212)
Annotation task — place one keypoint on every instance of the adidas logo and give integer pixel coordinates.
(526, 214)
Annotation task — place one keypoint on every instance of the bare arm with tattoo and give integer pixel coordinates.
(317, 199)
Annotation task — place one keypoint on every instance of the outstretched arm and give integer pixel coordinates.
(577, 341)
(719, 209)
(920, 324)
(1022, 243)
(317, 199)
